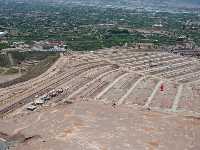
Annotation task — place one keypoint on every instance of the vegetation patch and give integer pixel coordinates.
(1, 70)
(33, 71)
(11, 71)
(4, 60)
(3, 46)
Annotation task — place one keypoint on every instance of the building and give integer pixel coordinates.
(2, 34)
(182, 39)
(157, 26)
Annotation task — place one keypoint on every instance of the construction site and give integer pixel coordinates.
(110, 99)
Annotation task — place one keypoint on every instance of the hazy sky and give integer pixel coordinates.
(127, 3)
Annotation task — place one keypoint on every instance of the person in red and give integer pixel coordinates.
(162, 87)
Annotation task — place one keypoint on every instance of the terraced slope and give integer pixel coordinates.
(151, 80)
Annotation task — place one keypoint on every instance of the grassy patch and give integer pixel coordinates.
(4, 61)
(11, 71)
(3, 46)
(1, 70)
(33, 71)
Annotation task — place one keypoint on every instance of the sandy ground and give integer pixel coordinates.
(95, 126)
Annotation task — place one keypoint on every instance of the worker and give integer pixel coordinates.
(114, 104)
(162, 88)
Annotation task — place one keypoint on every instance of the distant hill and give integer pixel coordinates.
(131, 4)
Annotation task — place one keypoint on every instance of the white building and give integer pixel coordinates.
(2, 34)
(157, 25)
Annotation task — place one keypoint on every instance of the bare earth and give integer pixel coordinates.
(94, 126)
(6, 78)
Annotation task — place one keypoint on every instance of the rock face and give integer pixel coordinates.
(90, 126)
